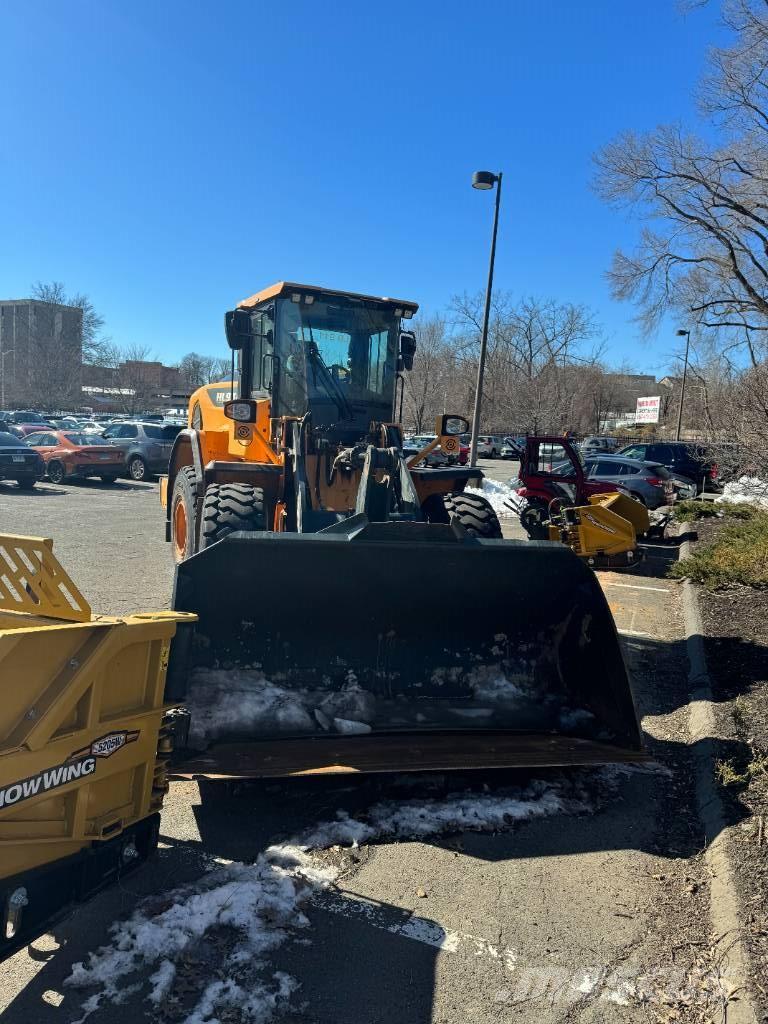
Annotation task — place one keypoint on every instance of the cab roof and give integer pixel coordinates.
(291, 286)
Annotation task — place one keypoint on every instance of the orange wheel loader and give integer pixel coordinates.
(357, 610)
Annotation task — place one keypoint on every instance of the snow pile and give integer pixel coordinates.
(262, 903)
(500, 495)
(490, 684)
(749, 490)
(238, 700)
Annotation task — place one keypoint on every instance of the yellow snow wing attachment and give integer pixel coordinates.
(33, 581)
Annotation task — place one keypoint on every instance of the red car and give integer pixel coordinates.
(68, 453)
(24, 429)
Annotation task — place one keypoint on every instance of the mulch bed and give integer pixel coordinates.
(736, 642)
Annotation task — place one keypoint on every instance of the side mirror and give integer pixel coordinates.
(237, 327)
(407, 348)
(451, 426)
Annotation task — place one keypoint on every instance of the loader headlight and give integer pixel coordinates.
(242, 411)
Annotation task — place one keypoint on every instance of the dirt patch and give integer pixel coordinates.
(736, 642)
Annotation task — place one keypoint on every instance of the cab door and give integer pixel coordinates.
(553, 469)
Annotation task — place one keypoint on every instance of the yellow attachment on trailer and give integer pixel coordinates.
(604, 532)
(83, 749)
(628, 508)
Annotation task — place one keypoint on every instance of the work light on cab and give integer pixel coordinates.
(243, 412)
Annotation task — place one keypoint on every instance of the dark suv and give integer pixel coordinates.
(19, 462)
(682, 457)
(146, 447)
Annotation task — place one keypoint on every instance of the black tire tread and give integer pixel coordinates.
(228, 508)
(184, 485)
(474, 512)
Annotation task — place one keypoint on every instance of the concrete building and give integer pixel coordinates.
(41, 354)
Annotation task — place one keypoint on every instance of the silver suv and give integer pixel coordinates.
(645, 481)
(146, 446)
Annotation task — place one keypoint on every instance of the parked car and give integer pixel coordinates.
(23, 429)
(65, 423)
(489, 446)
(511, 449)
(19, 462)
(91, 427)
(682, 457)
(684, 487)
(416, 444)
(597, 445)
(146, 447)
(27, 416)
(646, 482)
(69, 453)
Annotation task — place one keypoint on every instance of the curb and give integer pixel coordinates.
(724, 900)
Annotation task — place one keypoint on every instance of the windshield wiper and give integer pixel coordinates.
(329, 381)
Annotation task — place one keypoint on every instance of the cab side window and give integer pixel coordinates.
(553, 460)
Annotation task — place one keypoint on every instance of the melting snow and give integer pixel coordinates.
(498, 494)
(748, 490)
(244, 700)
(263, 902)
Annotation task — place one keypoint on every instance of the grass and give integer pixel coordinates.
(729, 775)
(739, 554)
(690, 510)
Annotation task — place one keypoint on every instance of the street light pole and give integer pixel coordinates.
(680, 334)
(484, 180)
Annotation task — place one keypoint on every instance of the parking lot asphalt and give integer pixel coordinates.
(558, 897)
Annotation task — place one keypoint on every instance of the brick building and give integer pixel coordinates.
(41, 354)
(133, 386)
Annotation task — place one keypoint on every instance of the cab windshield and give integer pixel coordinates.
(336, 354)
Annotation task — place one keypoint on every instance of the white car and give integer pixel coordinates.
(489, 446)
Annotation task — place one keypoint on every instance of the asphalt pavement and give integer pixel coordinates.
(533, 913)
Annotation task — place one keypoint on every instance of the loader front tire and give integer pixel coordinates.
(184, 515)
(228, 508)
(474, 512)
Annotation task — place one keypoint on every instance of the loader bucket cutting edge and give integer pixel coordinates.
(400, 629)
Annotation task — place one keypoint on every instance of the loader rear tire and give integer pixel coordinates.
(475, 513)
(228, 508)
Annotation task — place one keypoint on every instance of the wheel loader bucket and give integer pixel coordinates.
(401, 645)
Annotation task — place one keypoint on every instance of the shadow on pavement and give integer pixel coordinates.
(10, 490)
(351, 967)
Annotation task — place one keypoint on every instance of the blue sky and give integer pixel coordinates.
(171, 158)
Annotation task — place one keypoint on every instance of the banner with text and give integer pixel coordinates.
(648, 410)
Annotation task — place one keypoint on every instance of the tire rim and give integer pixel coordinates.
(179, 530)
(56, 474)
(137, 469)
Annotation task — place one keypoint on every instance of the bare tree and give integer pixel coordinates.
(706, 254)
(533, 346)
(94, 342)
(197, 370)
(430, 383)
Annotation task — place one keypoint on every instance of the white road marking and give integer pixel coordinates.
(417, 928)
(632, 586)
(633, 632)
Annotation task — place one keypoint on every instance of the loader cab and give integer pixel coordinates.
(335, 355)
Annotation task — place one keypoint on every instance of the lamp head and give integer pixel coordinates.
(484, 180)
